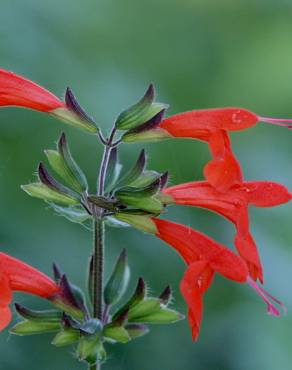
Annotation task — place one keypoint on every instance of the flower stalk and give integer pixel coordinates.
(98, 239)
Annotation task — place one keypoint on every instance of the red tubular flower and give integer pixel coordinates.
(18, 91)
(234, 206)
(16, 275)
(211, 126)
(204, 257)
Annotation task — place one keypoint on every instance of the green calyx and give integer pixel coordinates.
(41, 191)
(156, 134)
(29, 327)
(142, 223)
(65, 166)
(141, 112)
(69, 116)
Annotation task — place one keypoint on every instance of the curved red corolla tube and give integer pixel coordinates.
(18, 91)
(233, 205)
(16, 275)
(204, 257)
(212, 126)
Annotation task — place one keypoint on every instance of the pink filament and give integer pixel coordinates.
(268, 298)
(284, 122)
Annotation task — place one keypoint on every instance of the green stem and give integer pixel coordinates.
(94, 367)
(98, 261)
(98, 242)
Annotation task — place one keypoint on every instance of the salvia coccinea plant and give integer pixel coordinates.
(107, 313)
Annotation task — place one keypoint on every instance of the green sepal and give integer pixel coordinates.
(69, 309)
(118, 281)
(142, 223)
(136, 330)
(146, 191)
(156, 134)
(142, 198)
(143, 308)
(70, 299)
(142, 116)
(41, 191)
(138, 295)
(29, 327)
(165, 198)
(160, 316)
(135, 172)
(140, 112)
(145, 179)
(116, 333)
(66, 337)
(32, 315)
(73, 119)
(65, 166)
(149, 204)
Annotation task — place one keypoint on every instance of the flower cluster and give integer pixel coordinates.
(138, 197)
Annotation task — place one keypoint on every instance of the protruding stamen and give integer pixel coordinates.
(267, 298)
(284, 122)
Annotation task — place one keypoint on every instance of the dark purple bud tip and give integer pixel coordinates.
(166, 295)
(164, 180)
(150, 93)
(73, 105)
(67, 293)
(57, 272)
(121, 319)
(152, 124)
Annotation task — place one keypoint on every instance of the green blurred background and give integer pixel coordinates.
(199, 54)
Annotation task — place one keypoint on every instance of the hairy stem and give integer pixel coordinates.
(98, 241)
(98, 261)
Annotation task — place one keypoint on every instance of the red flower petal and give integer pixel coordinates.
(224, 170)
(247, 249)
(266, 193)
(5, 317)
(25, 278)
(18, 91)
(193, 245)
(192, 291)
(5, 291)
(187, 123)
